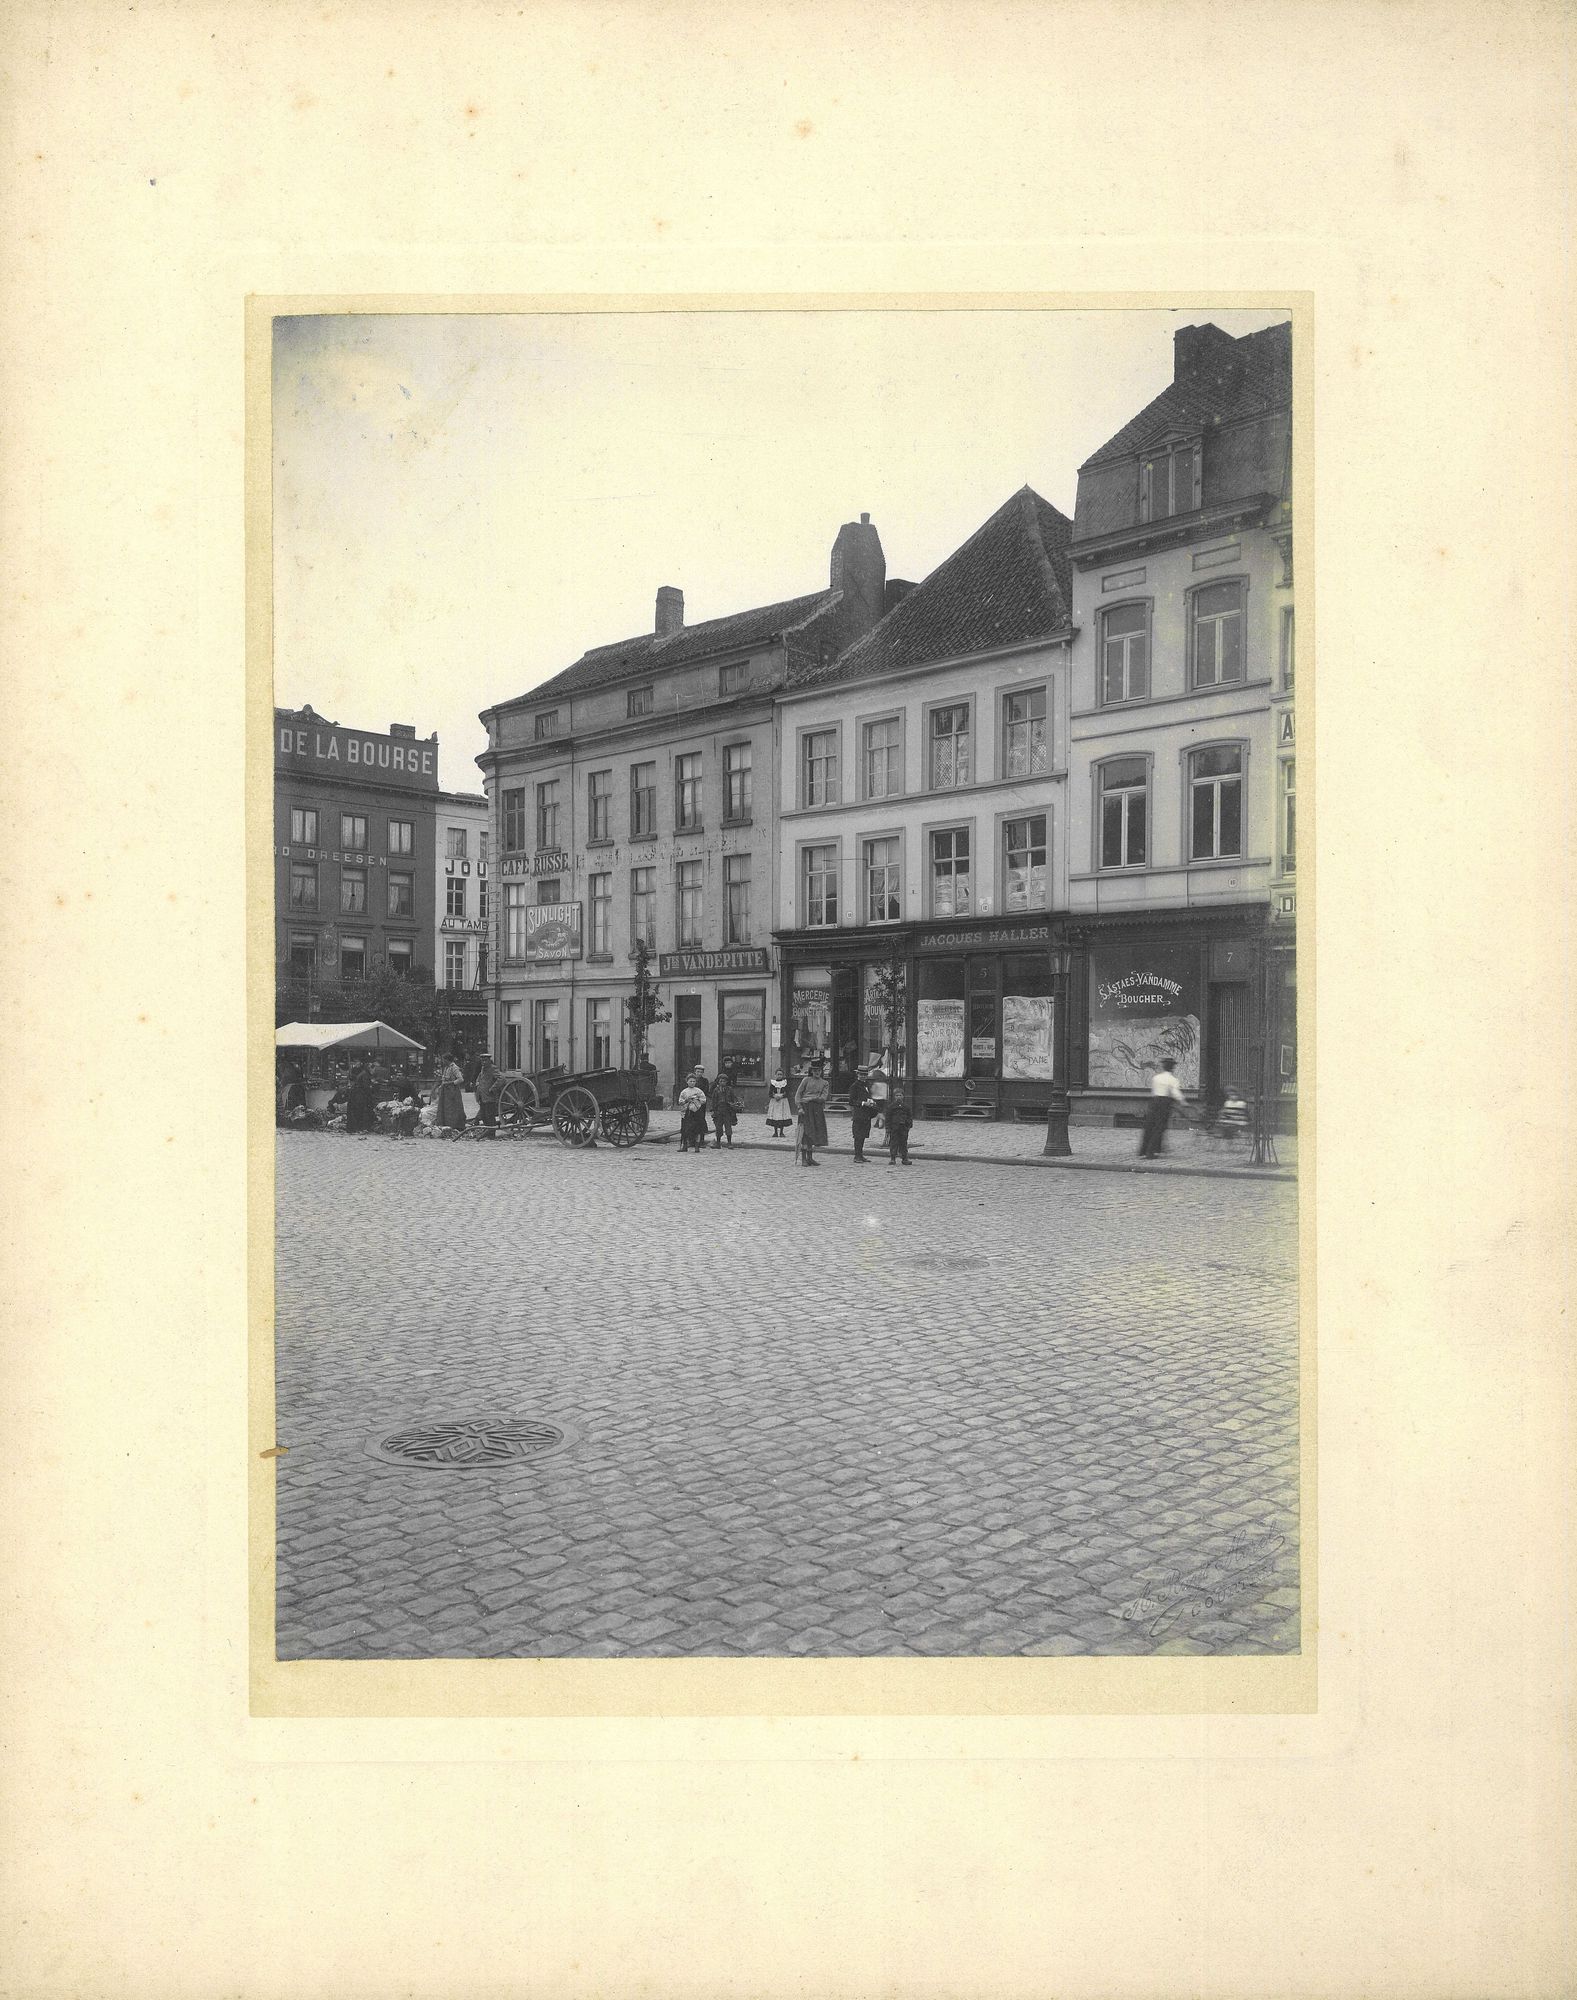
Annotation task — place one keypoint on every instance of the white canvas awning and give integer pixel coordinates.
(341, 1035)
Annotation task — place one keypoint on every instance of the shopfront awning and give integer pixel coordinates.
(341, 1035)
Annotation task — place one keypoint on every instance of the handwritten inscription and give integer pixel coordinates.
(1180, 1599)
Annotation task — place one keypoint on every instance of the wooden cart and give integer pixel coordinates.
(582, 1104)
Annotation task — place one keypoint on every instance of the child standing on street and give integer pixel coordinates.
(898, 1122)
(692, 1122)
(779, 1116)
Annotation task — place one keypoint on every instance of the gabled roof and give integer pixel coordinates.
(1230, 379)
(1007, 585)
(649, 653)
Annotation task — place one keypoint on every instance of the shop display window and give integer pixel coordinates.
(1028, 1018)
(742, 1033)
(810, 1010)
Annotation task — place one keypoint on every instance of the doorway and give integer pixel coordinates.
(687, 1035)
(1228, 1053)
(845, 1026)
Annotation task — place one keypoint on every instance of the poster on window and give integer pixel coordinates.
(1027, 1028)
(939, 1038)
(1144, 1007)
(553, 930)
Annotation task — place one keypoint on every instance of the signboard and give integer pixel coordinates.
(708, 963)
(463, 924)
(1284, 730)
(983, 1048)
(553, 930)
(990, 940)
(546, 861)
(1144, 1005)
(326, 750)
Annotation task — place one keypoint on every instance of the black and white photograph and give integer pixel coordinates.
(785, 976)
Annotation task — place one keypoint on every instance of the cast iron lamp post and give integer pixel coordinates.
(1057, 1146)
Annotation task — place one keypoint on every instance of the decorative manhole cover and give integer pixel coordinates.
(939, 1260)
(465, 1447)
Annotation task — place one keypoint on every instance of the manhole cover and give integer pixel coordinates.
(466, 1447)
(939, 1260)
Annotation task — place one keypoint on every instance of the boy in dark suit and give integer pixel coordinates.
(898, 1122)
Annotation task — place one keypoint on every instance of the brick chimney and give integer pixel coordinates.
(670, 611)
(1204, 354)
(859, 571)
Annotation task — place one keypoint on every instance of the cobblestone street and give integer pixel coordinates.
(959, 1409)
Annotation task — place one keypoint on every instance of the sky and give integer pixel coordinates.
(463, 503)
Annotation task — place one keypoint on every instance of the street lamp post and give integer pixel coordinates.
(1058, 1145)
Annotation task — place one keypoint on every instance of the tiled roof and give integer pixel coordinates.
(648, 653)
(1245, 377)
(1009, 583)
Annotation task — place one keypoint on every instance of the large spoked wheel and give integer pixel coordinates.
(575, 1115)
(625, 1124)
(517, 1103)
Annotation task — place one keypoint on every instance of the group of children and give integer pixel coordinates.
(805, 1110)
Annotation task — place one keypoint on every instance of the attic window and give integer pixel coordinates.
(547, 725)
(639, 700)
(1169, 481)
(734, 676)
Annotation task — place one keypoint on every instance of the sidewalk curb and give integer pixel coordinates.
(1075, 1165)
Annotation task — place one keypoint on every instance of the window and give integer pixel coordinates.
(515, 819)
(736, 781)
(820, 753)
(881, 749)
(550, 889)
(687, 790)
(352, 957)
(303, 885)
(734, 677)
(400, 836)
(882, 904)
(1125, 788)
(547, 725)
(643, 800)
(599, 1033)
(687, 887)
(546, 1022)
(1216, 636)
(1125, 653)
(303, 956)
(454, 896)
(600, 892)
(483, 845)
(402, 899)
(1024, 748)
(512, 1023)
(599, 805)
(736, 899)
(1169, 482)
(639, 701)
(949, 747)
(303, 826)
(821, 885)
(454, 961)
(1215, 784)
(353, 832)
(481, 898)
(742, 1033)
(454, 843)
(643, 905)
(352, 891)
(548, 813)
(1024, 863)
(1288, 646)
(514, 920)
(1289, 821)
(950, 893)
(400, 957)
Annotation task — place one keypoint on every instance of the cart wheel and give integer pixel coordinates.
(517, 1103)
(625, 1124)
(575, 1115)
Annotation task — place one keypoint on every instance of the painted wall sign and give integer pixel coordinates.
(463, 867)
(1144, 1004)
(1284, 728)
(339, 854)
(1009, 940)
(467, 924)
(325, 749)
(546, 861)
(553, 930)
(708, 963)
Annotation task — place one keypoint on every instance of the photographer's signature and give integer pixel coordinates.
(1183, 1598)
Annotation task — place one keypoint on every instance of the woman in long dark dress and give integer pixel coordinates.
(810, 1103)
(361, 1105)
(450, 1101)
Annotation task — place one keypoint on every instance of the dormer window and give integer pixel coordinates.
(547, 725)
(1169, 480)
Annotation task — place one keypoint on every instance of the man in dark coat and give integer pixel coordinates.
(862, 1110)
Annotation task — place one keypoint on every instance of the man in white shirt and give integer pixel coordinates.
(1165, 1092)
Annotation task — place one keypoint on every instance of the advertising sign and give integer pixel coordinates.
(553, 930)
(939, 1038)
(1144, 1005)
(1028, 1023)
(327, 750)
(742, 958)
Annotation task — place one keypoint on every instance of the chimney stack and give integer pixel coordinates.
(859, 572)
(670, 611)
(1204, 354)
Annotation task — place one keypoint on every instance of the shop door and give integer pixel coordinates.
(687, 1035)
(1228, 1054)
(981, 1059)
(845, 1025)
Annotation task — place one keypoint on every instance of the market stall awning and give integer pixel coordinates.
(341, 1035)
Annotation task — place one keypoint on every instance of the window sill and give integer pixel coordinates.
(682, 832)
(1160, 700)
(643, 838)
(1228, 861)
(601, 840)
(746, 821)
(599, 958)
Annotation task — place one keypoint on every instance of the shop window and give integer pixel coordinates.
(513, 1015)
(1125, 812)
(353, 832)
(1125, 653)
(687, 791)
(687, 892)
(643, 905)
(1288, 646)
(454, 843)
(643, 800)
(352, 891)
(1289, 816)
(454, 961)
(819, 786)
(599, 805)
(881, 752)
(939, 1017)
(600, 893)
(820, 866)
(1024, 863)
(352, 958)
(951, 892)
(639, 701)
(1144, 1006)
(736, 782)
(1216, 621)
(1025, 750)
(950, 761)
(810, 1012)
(514, 919)
(401, 836)
(303, 956)
(400, 957)
(548, 813)
(515, 819)
(1028, 1018)
(883, 1004)
(402, 897)
(454, 896)
(883, 904)
(303, 885)
(303, 826)
(1169, 481)
(545, 1033)
(1215, 783)
(547, 724)
(742, 1033)
(736, 899)
(599, 1033)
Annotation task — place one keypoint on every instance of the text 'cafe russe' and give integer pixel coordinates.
(354, 753)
